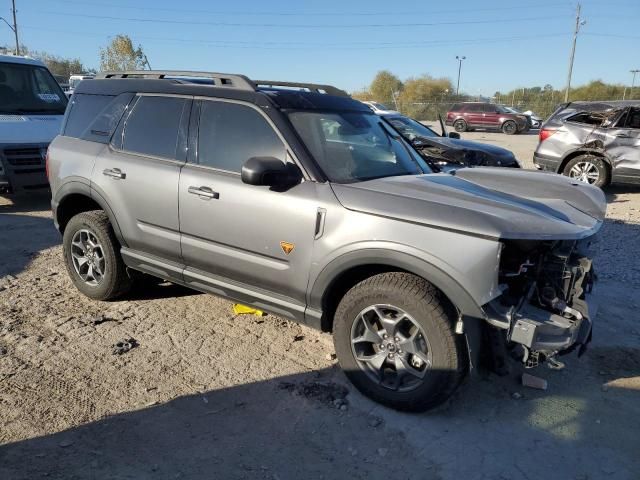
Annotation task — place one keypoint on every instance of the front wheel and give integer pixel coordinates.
(588, 169)
(393, 334)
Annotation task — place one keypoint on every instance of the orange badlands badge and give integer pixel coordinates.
(287, 247)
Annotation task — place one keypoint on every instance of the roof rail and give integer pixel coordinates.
(226, 80)
(312, 87)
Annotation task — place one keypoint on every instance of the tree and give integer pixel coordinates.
(384, 86)
(64, 67)
(421, 96)
(120, 55)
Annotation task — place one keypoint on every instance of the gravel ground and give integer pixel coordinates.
(208, 394)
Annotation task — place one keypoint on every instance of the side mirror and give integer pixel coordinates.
(455, 135)
(270, 171)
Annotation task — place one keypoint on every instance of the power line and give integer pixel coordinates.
(299, 25)
(306, 45)
(388, 13)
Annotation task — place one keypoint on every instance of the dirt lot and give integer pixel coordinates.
(208, 394)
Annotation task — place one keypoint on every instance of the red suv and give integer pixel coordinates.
(467, 116)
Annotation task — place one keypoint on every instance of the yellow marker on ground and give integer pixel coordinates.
(240, 309)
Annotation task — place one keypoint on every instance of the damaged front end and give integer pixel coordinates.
(547, 306)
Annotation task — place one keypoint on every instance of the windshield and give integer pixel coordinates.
(355, 146)
(28, 89)
(409, 128)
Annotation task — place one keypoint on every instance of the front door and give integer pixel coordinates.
(138, 176)
(241, 241)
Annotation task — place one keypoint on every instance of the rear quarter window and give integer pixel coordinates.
(95, 117)
(83, 109)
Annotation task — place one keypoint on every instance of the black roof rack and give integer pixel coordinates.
(312, 87)
(226, 80)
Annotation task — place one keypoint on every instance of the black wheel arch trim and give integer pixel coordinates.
(454, 291)
(81, 187)
(571, 154)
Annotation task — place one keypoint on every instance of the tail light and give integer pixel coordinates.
(546, 133)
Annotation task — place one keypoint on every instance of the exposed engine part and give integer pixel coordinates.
(543, 307)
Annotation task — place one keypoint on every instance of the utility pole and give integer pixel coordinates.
(14, 27)
(633, 82)
(579, 23)
(146, 61)
(460, 59)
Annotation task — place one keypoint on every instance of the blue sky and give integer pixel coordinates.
(507, 44)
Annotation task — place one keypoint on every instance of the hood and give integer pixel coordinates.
(500, 203)
(493, 156)
(471, 145)
(19, 129)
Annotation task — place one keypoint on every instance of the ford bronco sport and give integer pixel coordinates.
(298, 200)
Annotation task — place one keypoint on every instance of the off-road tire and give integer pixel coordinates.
(435, 315)
(509, 127)
(460, 126)
(604, 172)
(115, 281)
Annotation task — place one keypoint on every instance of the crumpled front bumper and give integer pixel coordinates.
(543, 331)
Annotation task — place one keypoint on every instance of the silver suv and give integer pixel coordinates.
(300, 201)
(594, 142)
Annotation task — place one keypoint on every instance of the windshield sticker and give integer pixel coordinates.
(49, 97)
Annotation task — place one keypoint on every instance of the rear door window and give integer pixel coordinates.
(152, 128)
(230, 134)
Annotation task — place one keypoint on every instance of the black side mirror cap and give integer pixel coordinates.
(455, 135)
(270, 171)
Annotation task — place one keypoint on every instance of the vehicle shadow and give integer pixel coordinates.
(295, 427)
(26, 228)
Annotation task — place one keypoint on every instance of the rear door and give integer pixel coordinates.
(624, 147)
(473, 115)
(249, 243)
(137, 175)
(490, 116)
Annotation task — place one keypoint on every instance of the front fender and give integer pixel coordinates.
(450, 286)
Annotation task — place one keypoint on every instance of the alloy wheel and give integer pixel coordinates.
(585, 172)
(87, 255)
(390, 347)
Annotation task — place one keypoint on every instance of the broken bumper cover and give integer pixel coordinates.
(543, 331)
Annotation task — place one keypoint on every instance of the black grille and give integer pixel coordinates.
(23, 156)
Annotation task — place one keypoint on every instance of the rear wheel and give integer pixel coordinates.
(394, 340)
(590, 169)
(509, 127)
(460, 126)
(92, 256)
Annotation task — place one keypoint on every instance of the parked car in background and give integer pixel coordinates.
(307, 205)
(534, 120)
(594, 142)
(471, 115)
(447, 152)
(379, 108)
(75, 79)
(32, 106)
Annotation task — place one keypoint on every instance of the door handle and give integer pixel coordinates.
(203, 192)
(623, 135)
(114, 173)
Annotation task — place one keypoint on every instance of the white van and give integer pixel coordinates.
(75, 79)
(32, 106)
